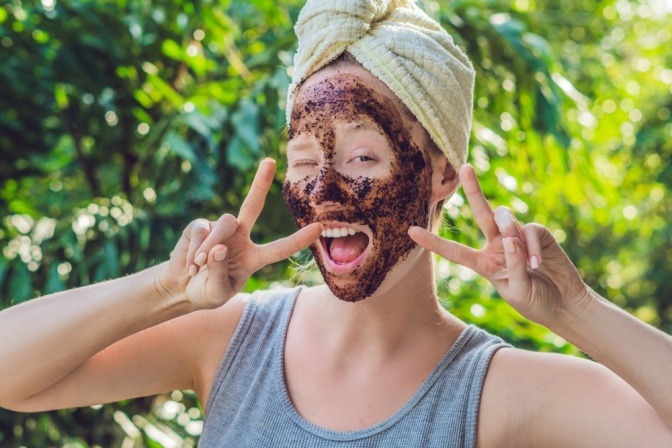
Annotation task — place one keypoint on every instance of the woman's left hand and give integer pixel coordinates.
(525, 263)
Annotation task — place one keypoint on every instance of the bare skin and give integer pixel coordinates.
(535, 399)
(158, 330)
(342, 359)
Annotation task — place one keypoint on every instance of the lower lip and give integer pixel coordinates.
(342, 268)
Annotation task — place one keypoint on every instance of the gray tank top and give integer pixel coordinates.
(249, 405)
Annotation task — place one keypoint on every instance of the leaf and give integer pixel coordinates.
(109, 263)
(4, 265)
(237, 155)
(166, 90)
(180, 147)
(54, 282)
(244, 122)
(172, 49)
(21, 285)
(199, 123)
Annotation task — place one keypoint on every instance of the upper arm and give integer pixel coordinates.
(541, 399)
(182, 353)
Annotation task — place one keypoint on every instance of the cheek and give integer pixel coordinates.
(297, 202)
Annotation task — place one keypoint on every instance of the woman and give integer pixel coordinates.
(370, 358)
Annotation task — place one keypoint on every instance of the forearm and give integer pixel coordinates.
(635, 351)
(45, 339)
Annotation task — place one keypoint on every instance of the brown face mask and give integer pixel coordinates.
(388, 206)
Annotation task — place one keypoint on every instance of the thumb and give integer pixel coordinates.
(218, 268)
(516, 265)
(450, 250)
(285, 247)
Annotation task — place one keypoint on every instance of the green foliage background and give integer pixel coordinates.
(122, 120)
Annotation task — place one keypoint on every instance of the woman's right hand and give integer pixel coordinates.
(212, 260)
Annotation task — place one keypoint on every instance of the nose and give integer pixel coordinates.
(328, 188)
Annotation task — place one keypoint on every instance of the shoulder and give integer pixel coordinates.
(210, 332)
(214, 330)
(545, 399)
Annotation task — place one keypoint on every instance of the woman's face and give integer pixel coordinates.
(354, 167)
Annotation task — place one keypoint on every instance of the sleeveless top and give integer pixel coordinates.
(249, 405)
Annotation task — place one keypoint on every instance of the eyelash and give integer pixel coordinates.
(369, 159)
(304, 162)
(358, 159)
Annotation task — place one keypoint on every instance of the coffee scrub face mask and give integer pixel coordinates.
(375, 211)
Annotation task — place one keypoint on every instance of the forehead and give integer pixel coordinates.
(340, 96)
(346, 87)
(349, 71)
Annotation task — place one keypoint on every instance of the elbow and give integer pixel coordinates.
(18, 404)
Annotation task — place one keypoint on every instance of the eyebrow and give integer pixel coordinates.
(363, 124)
(300, 145)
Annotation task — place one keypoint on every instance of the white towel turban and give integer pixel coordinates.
(404, 48)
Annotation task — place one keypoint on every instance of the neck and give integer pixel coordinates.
(404, 308)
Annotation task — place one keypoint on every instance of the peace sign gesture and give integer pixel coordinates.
(213, 260)
(525, 263)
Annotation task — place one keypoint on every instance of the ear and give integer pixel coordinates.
(444, 178)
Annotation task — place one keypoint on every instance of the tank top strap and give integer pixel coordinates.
(259, 331)
(249, 405)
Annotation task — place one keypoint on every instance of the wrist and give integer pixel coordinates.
(575, 312)
(167, 288)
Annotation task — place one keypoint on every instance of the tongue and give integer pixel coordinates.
(346, 249)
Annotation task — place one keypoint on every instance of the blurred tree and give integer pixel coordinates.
(122, 120)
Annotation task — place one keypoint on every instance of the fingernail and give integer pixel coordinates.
(200, 258)
(509, 247)
(503, 217)
(534, 262)
(193, 270)
(221, 255)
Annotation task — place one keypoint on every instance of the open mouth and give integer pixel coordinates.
(343, 247)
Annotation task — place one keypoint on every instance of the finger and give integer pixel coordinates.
(197, 231)
(532, 233)
(450, 250)
(218, 272)
(221, 231)
(254, 201)
(285, 247)
(507, 224)
(479, 205)
(516, 266)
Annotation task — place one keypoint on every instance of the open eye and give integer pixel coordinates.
(362, 159)
(362, 155)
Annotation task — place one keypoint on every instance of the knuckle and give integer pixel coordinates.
(227, 218)
(535, 227)
(200, 232)
(195, 224)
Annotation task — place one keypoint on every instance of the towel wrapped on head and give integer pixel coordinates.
(404, 48)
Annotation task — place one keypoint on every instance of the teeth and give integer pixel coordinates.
(338, 232)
